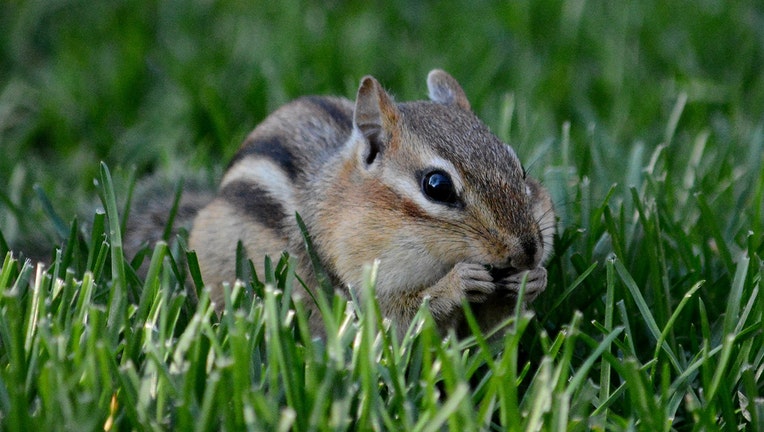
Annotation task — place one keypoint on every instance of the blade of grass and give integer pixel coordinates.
(561, 299)
(721, 367)
(672, 320)
(583, 371)
(608, 327)
(58, 222)
(128, 198)
(735, 299)
(167, 233)
(117, 298)
(446, 410)
(97, 235)
(711, 226)
(324, 283)
(192, 261)
(38, 300)
(644, 310)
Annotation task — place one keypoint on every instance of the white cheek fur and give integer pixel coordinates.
(410, 186)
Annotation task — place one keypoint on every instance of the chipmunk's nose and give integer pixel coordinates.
(528, 255)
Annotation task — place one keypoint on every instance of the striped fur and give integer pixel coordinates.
(354, 171)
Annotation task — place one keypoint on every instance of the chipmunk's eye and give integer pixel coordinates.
(437, 186)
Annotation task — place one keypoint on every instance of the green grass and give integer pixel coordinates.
(645, 120)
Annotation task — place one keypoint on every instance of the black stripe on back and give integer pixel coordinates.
(256, 202)
(341, 117)
(271, 147)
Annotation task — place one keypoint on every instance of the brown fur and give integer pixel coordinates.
(354, 173)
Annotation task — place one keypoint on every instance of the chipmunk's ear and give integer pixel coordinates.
(374, 115)
(445, 89)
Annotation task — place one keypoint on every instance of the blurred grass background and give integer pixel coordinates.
(173, 87)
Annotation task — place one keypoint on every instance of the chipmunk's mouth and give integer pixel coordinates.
(500, 273)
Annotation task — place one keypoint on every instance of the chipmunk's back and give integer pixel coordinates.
(258, 193)
(295, 138)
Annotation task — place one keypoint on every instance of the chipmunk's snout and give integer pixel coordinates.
(526, 255)
(528, 258)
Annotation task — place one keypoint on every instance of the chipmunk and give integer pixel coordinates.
(423, 187)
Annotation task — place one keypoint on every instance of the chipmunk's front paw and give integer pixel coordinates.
(474, 282)
(534, 285)
(465, 281)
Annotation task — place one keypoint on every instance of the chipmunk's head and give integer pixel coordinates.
(440, 188)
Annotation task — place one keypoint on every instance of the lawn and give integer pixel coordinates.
(644, 119)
